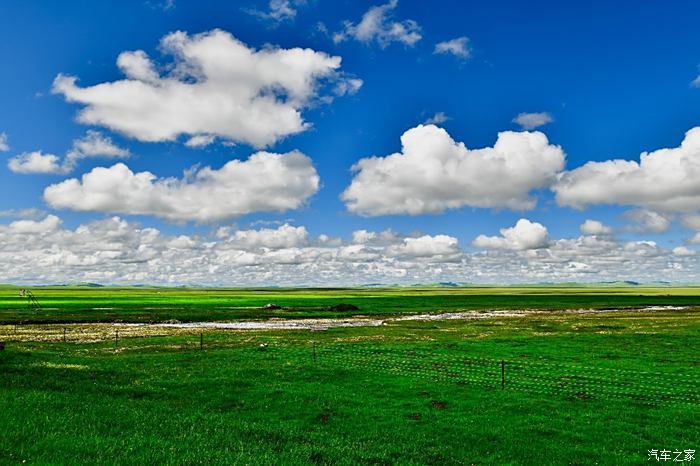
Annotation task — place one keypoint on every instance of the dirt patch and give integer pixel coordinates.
(325, 416)
(271, 307)
(343, 307)
(582, 396)
(438, 404)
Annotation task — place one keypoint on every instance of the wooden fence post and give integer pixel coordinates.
(503, 374)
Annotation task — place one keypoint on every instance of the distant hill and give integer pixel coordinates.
(81, 285)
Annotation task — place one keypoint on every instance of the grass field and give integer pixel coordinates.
(78, 304)
(578, 388)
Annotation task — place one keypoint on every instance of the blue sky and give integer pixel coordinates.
(615, 79)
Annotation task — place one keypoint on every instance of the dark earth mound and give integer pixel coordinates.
(343, 307)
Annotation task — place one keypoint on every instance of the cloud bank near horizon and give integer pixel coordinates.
(116, 251)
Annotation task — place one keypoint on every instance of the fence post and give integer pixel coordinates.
(116, 338)
(201, 341)
(503, 374)
(64, 334)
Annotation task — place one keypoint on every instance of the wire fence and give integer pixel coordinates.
(550, 377)
(421, 361)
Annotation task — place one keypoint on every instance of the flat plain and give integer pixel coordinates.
(578, 375)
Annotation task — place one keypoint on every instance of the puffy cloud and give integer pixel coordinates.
(664, 180)
(383, 238)
(458, 47)
(524, 235)
(433, 173)
(533, 120)
(48, 224)
(217, 86)
(377, 24)
(200, 140)
(348, 86)
(93, 144)
(594, 227)
(115, 251)
(35, 162)
(438, 118)
(4, 145)
(440, 247)
(683, 251)
(265, 182)
(647, 221)
(285, 236)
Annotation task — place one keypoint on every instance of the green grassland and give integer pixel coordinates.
(84, 304)
(578, 388)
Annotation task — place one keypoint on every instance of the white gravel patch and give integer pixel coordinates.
(324, 324)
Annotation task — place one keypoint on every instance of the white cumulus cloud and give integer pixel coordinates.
(93, 144)
(524, 235)
(48, 224)
(216, 86)
(664, 180)
(440, 247)
(35, 162)
(595, 228)
(265, 182)
(284, 236)
(533, 120)
(683, 251)
(433, 173)
(647, 221)
(200, 140)
(378, 25)
(458, 47)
